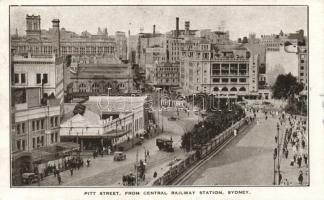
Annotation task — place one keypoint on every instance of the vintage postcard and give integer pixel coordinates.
(163, 101)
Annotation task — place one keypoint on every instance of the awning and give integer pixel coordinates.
(114, 134)
(68, 145)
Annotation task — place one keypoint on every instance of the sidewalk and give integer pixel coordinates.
(289, 172)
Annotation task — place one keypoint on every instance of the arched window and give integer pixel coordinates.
(82, 87)
(216, 89)
(224, 89)
(95, 87)
(242, 89)
(233, 89)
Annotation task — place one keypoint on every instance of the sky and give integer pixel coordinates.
(239, 20)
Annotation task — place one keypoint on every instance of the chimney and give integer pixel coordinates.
(57, 37)
(177, 27)
(187, 27)
(153, 30)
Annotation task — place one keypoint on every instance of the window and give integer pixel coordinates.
(301, 74)
(45, 78)
(302, 68)
(37, 125)
(16, 78)
(233, 80)
(23, 128)
(42, 140)
(38, 79)
(302, 61)
(18, 128)
(23, 145)
(242, 80)
(225, 80)
(33, 125)
(56, 121)
(23, 78)
(18, 144)
(52, 137)
(42, 124)
(52, 122)
(216, 80)
(34, 143)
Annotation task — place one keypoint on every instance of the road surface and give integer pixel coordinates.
(247, 160)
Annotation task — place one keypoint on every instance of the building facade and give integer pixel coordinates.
(95, 75)
(218, 69)
(303, 67)
(107, 121)
(59, 41)
(166, 75)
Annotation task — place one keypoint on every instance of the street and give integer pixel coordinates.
(103, 171)
(247, 160)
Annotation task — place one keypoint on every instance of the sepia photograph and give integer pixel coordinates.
(156, 96)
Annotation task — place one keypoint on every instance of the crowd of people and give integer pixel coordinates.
(293, 144)
(294, 147)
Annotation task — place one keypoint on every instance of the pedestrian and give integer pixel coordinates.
(71, 171)
(286, 153)
(88, 162)
(280, 178)
(299, 161)
(155, 174)
(305, 159)
(303, 144)
(300, 178)
(59, 179)
(148, 153)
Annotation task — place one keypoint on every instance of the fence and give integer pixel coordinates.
(199, 153)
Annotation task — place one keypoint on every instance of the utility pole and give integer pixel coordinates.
(136, 171)
(278, 150)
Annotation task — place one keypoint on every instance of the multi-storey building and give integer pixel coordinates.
(228, 70)
(166, 75)
(107, 121)
(37, 109)
(121, 45)
(274, 42)
(280, 62)
(91, 76)
(59, 41)
(44, 72)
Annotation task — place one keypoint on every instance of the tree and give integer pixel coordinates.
(286, 86)
(245, 40)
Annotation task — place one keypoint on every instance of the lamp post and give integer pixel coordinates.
(278, 150)
(116, 149)
(159, 106)
(274, 167)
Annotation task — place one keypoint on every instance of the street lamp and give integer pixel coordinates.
(274, 166)
(278, 150)
(158, 111)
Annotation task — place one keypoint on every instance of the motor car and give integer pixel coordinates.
(29, 178)
(119, 156)
(172, 118)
